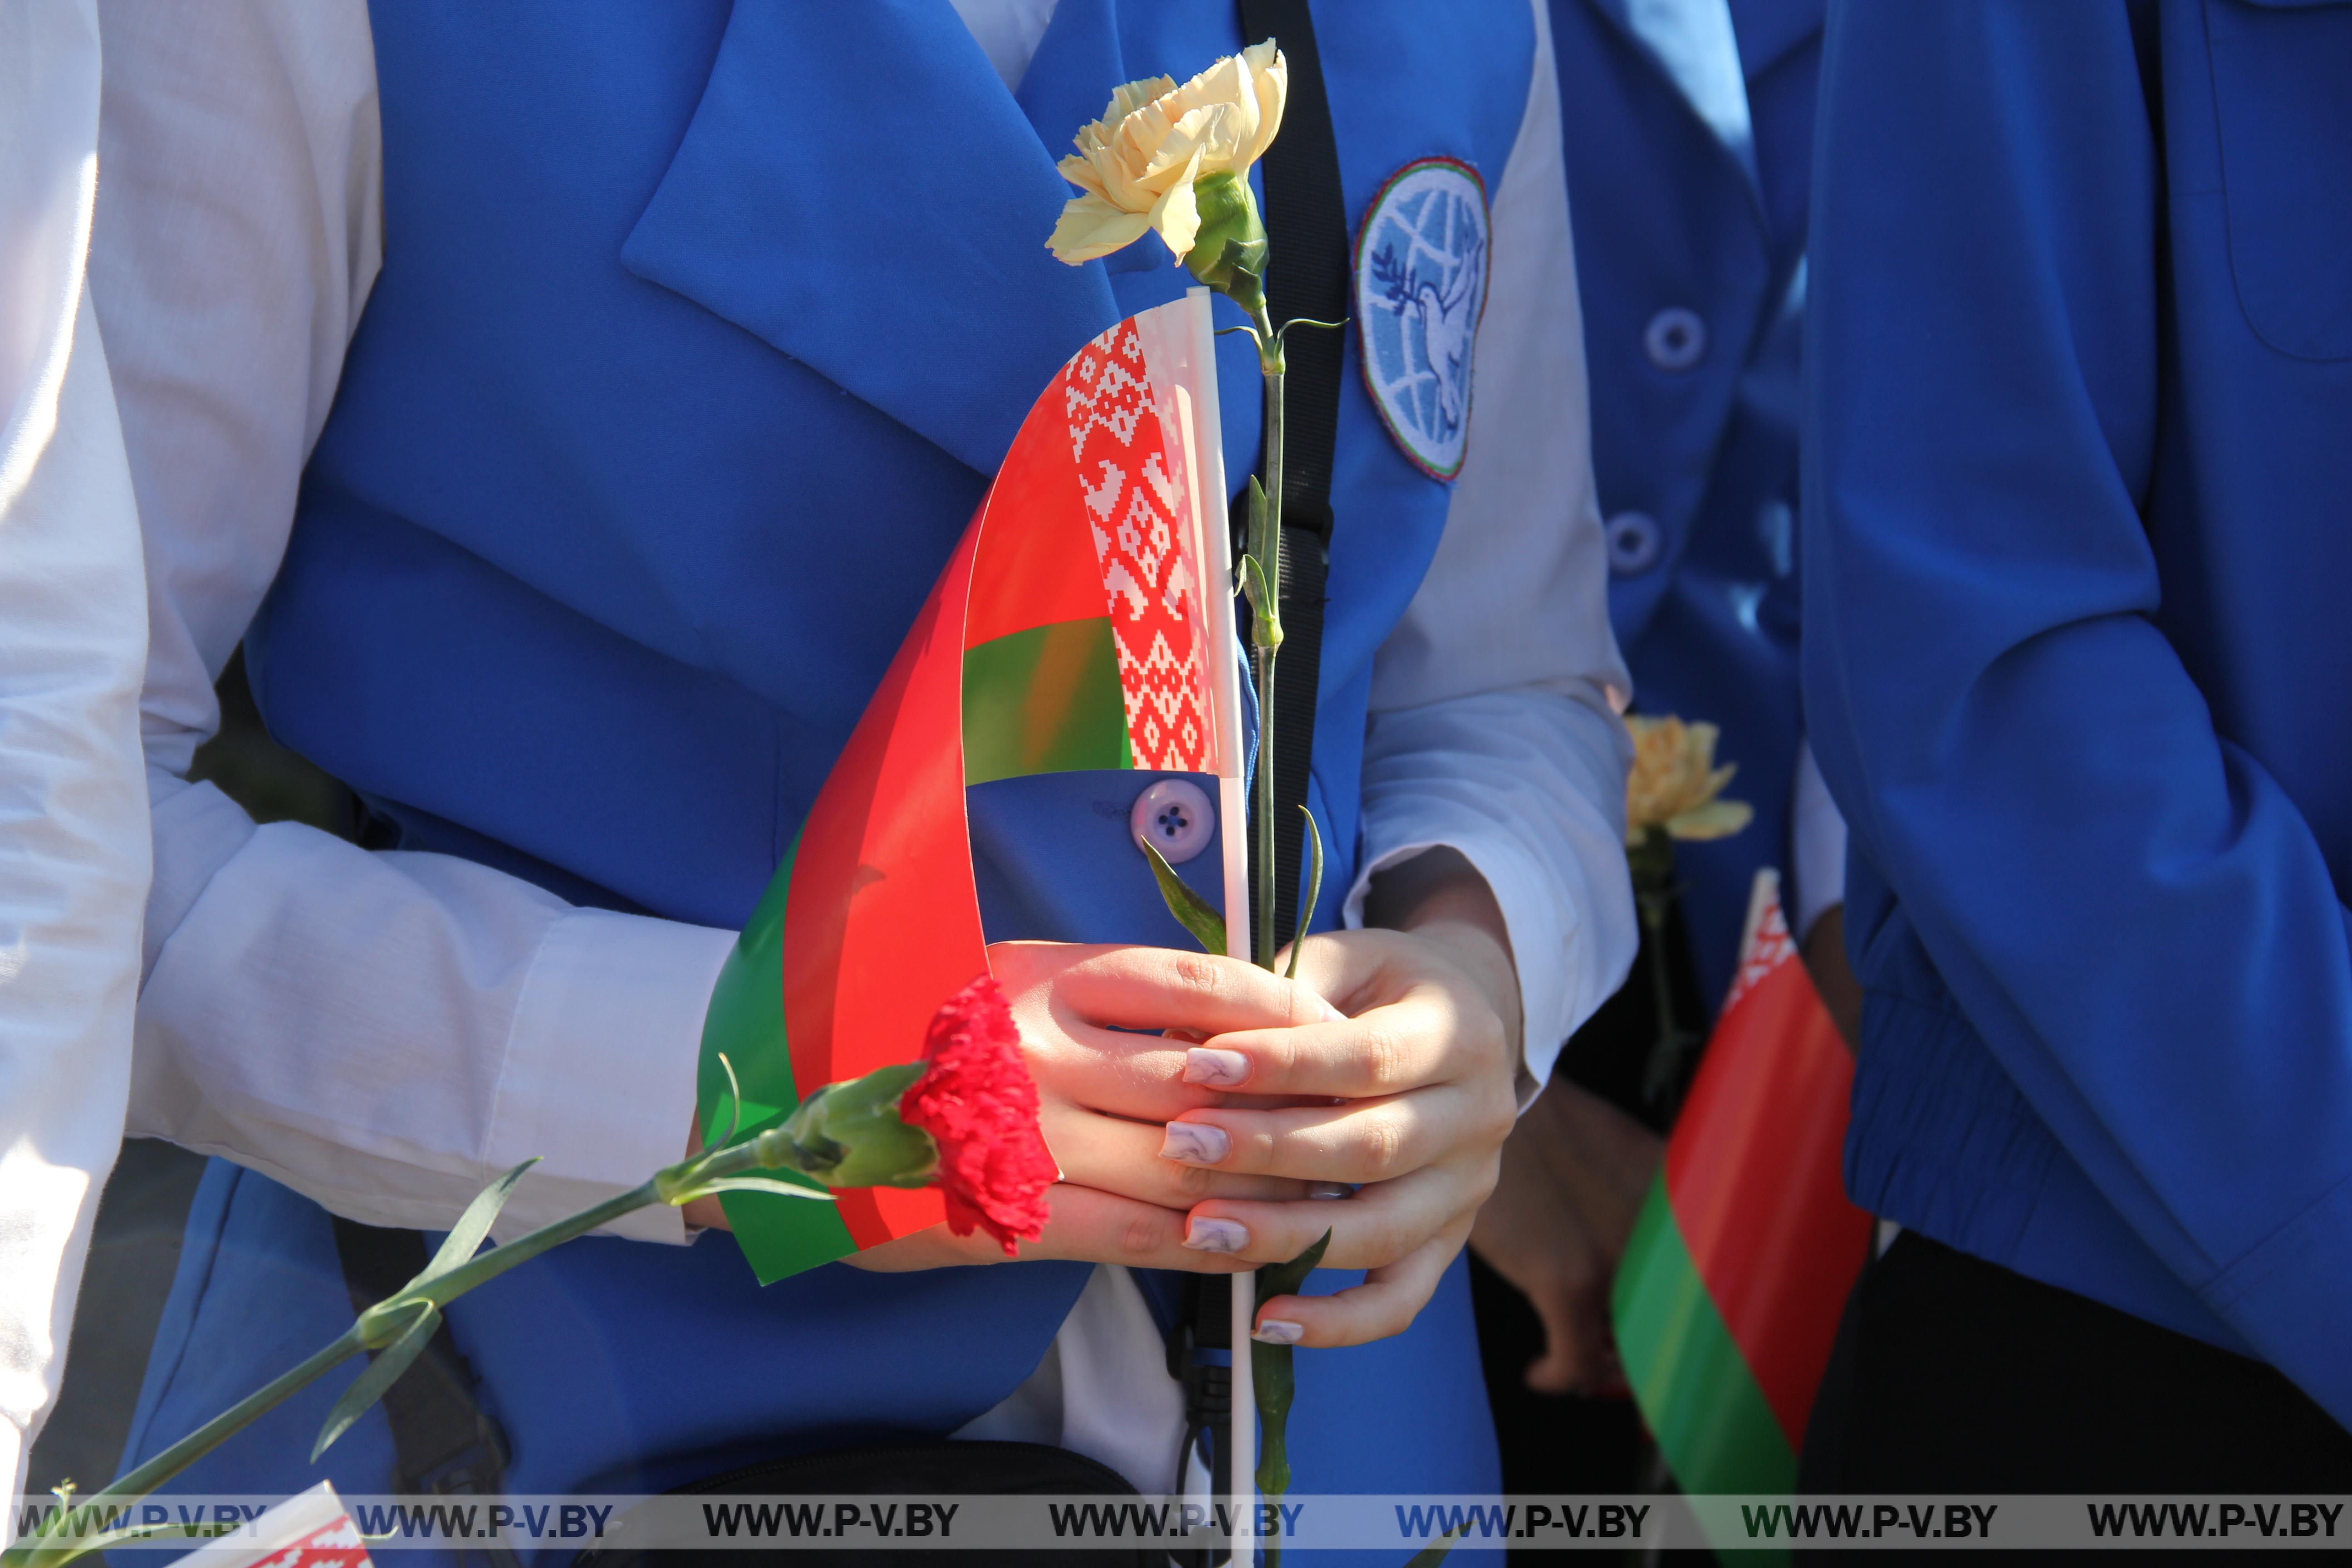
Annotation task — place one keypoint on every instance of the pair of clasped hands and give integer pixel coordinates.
(1369, 1097)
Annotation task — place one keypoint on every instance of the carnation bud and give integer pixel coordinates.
(1228, 254)
(849, 1135)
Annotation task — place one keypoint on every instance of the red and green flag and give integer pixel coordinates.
(1729, 1293)
(1082, 624)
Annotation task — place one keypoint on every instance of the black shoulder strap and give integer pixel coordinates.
(444, 1443)
(1306, 279)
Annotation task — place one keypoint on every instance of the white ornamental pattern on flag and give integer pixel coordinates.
(1134, 503)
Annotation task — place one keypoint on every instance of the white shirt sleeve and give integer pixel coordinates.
(384, 1033)
(1494, 725)
(73, 835)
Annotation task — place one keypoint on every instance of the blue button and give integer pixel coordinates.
(1675, 339)
(1635, 542)
(1174, 816)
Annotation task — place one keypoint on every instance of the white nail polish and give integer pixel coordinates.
(1214, 1067)
(1278, 1332)
(1194, 1144)
(1329, 1190)
(1216, 1234)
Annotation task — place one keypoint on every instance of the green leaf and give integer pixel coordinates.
(779, 1187)
(465, 1237)
(1314, 894)
(1271, 1376)
(1256, 543)
(1266, 619)
(30, 1548)
(1192, 912)
(1284, 1278)
(734, 1103)
(1253, 580)
(381, 1375)
(1283, 331)
(1432, 1554)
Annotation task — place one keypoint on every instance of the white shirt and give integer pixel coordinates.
(73, 640)
(386, 1032)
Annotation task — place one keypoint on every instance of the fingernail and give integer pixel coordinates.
(1215, 1234)
(1219, 1069)
(1329, 1190)
(1278, 1332)
(1195, 1144)
(1330, 1015)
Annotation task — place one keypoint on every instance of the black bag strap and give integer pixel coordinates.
(1307, 280)
(1201, 1358)
(444, 1443)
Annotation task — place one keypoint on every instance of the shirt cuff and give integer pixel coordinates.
(599, 1080)
(1818, 845)
(1529, 786)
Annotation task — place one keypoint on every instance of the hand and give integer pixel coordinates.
(1106, 1095)
(1410, 1093)
(1575, 1173)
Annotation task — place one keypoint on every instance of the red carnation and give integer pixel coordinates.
(978, 1103)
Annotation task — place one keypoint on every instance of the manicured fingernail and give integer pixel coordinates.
(1219, 1069)
(1331, 1014)
(1216, 1234)
(1195, 1144)
(1278, 1332)
(1329, 1190)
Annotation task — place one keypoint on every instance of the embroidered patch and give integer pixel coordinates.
(1420, 283)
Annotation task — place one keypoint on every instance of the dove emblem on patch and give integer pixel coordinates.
(1421, 285)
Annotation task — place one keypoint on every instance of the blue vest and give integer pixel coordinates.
(1690, 255)
(697, 337)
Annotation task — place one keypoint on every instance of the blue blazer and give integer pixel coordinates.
(2078, 653)
(1689, 160)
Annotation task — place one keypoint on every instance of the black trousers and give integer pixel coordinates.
(1953, 1375)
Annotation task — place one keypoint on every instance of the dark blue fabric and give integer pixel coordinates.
(1080, 817)
(260, 1261)
(1665, 218)
(2077, 659)
(698, 333)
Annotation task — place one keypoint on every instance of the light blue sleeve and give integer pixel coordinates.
(2127, 907)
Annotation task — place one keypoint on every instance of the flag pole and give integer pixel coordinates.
(1214, 540)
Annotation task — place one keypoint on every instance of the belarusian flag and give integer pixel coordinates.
(1729, 1293)
(1083, 623)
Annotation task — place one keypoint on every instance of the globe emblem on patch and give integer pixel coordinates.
(1420, 283)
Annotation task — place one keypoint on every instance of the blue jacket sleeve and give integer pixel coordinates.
(2127, 906)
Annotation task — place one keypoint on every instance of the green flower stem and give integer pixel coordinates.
(1265, 635)
(140, 1482)
(1651, 862)
(1272, 1381)
(676, 1185)
(486, 1267)
(1230, 257)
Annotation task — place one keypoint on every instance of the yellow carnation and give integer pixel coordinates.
(1137, 165)
(1676, 785)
